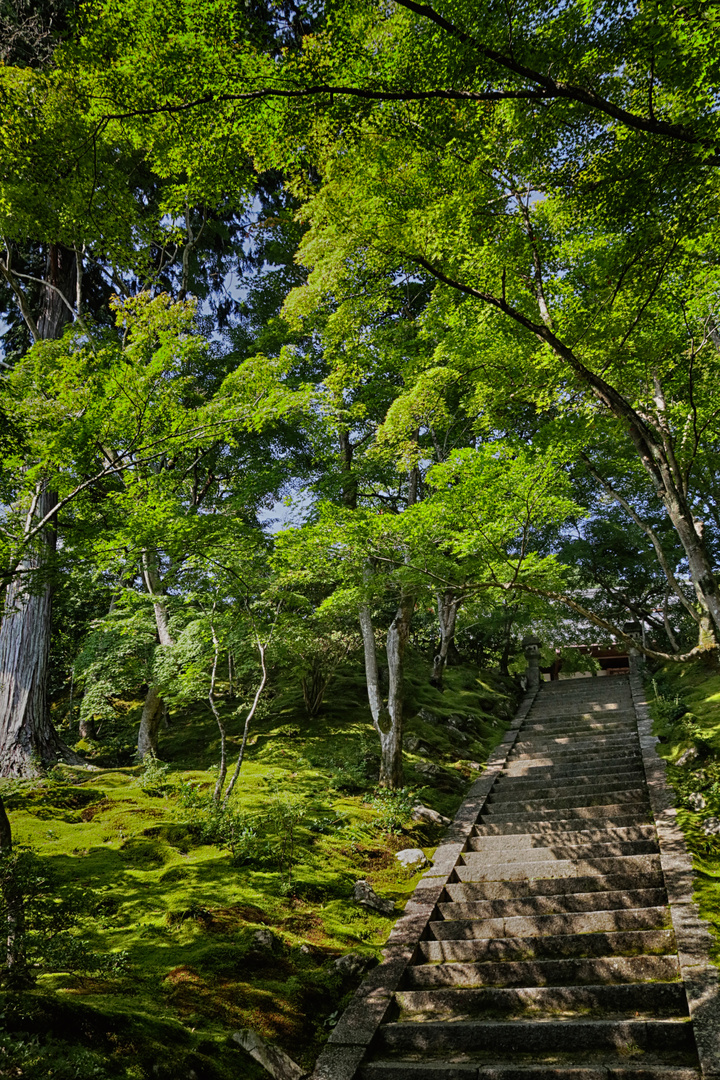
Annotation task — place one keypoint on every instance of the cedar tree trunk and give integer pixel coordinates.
(28, 741)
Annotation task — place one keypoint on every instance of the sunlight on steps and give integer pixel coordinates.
(551, 952)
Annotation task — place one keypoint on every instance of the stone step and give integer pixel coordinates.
(512, 787)
(649, 999)
(525, 853)
(618, 1068)
(536, 1035)
(593, 722)
(580, 716)
(493, 827)
(569, 802)
(578, 705)
(518, 792)
(528, 770)
(558, 836)
(553, 947)
(568, 973)
(474, 869)
(550, 905)
(567, 813)
(608, 743)
(551, 766)
(575, 755)
(652, 918)
(509, 890)
(586, 732)
(550, 954)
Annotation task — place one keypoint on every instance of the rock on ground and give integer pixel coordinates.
(264, 939)
(412, 858)
(352, 964)
(428, 816)
(364, 894)
(274, 1060)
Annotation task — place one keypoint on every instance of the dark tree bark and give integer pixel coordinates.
(28, 741)
(150, 724)
(349, 485)
(18, 975)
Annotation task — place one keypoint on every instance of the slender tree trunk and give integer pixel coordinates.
(153, 707)
(447, 617)
(222, 771)
(246, 729)
(388, 718)
(668, 628)
(391, 765)
(28, 741)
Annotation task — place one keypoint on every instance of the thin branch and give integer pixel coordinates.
(651, 535)
(12, 281)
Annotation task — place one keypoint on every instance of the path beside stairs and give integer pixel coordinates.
(550, 952)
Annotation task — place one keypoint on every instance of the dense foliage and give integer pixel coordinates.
(339, 339)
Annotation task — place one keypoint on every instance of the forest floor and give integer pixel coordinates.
(685, 703)
(184, 926)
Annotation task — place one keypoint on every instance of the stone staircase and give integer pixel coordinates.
(550, 952)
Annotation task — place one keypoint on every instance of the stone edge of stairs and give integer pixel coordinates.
(350, 1039)
(694, 943)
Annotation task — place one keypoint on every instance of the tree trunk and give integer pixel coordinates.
(700, 565)
(153, 709)
(388, 718)
(652, 441)
(150, 724)
(18, 974)
(349, 481)
(28, 740)
(251, 713)
(154, 587)
(86, 728)
(447, 617)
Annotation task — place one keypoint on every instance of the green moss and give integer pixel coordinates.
(685, 704)
(185, 907)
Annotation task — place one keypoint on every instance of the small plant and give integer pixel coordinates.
(154, 778)
(284, 815)
(394, 809)
(350, 777)
(193, 795)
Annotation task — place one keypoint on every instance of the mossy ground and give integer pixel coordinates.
(181, 913)
(685, 702)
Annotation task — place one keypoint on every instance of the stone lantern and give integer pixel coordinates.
(635, 659)
(531, 648)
